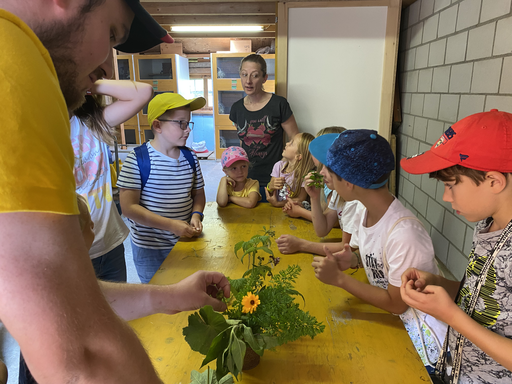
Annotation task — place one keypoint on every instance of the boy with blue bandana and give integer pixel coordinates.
(389, 237)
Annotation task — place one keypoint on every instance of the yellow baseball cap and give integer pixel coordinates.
(166, 101)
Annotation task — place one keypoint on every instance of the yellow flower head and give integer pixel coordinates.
(250, 303)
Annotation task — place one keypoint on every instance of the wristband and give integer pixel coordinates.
(268, 189)
(199, 213)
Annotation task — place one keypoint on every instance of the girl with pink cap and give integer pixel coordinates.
(235, 187)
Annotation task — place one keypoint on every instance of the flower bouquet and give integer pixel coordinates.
(262, 313)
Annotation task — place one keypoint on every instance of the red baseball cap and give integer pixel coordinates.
(482, 141)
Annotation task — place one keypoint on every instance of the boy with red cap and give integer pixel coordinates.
(473, 160)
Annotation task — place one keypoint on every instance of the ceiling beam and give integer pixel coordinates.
(216, 20)
(190, 8)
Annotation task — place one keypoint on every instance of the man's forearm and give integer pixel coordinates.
(131, 301)
(53, 307)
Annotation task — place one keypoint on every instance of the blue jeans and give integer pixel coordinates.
(111, 266)
(147, 261)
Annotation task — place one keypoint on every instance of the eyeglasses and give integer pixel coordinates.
(183, 124)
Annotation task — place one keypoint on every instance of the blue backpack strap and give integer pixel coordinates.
(187, 152)
(142, 155)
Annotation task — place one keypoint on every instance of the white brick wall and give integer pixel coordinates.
(456, 60)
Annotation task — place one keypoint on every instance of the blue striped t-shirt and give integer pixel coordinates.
(168, 193)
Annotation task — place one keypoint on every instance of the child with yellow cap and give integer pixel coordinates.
(161, 184)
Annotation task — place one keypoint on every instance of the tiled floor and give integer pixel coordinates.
(9, 352)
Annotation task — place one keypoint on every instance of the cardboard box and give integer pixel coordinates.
(174, 48)
(240, 46)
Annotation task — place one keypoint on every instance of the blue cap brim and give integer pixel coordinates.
(320, 146)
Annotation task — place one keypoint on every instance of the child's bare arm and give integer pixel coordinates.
(246, 202)
(290, 244)
(130, 198)
(295, 209)
(301, 196)
(199, 201)
(272, 199)
(438, 302)
(328, 271)
(323, 223)
(222, 192)
(276, 183)
(131, 97)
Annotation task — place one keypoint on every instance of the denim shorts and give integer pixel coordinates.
(147, 261)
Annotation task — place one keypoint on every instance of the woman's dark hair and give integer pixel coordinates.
(254, 58)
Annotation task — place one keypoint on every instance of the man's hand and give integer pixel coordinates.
(182, 228)
(288, 244)
(198, 290)
(195, 222)
(291, 208)
(420, 279)
(432, 299)
(327, 269)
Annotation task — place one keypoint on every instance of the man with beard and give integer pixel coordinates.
(50, 300)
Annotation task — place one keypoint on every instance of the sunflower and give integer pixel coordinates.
(250, 303)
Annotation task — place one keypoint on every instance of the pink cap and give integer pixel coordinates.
(232, 154)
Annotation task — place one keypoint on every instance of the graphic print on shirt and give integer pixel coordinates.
(375, 270)
(89, 161)
(491, 310)
(257, 135)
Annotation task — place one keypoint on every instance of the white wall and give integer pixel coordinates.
(335, 66)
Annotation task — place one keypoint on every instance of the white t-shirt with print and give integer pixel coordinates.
(93, 181)
(407, 246)
(349, 212)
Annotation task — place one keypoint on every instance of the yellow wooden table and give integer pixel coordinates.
(360, 344)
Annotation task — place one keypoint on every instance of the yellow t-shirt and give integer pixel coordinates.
(250, 186)
(36, 157)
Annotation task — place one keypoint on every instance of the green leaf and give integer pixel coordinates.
(237, 350)
(202, 328)
(222, 369)
(266, 250)
(269, 341)
(219, 344)
(228, 379)
(238, 246)
(251, 340)
(209, 377)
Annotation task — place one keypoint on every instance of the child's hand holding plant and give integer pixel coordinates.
(314, 181)
(276, 183)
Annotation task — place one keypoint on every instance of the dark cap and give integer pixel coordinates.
(145, 32)
(361, 157)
